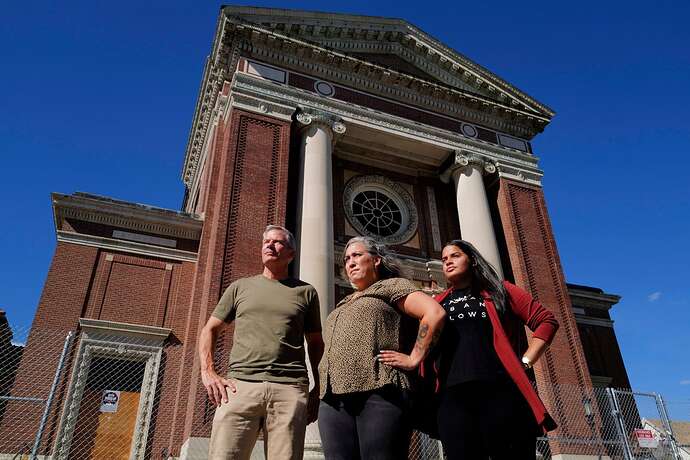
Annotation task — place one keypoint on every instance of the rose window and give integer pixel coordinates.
(378, 207)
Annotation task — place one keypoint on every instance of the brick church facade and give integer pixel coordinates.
(318, 122)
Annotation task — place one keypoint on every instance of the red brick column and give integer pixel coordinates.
(246, 190)
(562, 371)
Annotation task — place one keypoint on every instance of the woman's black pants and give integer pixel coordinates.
(366, 426)
(478, 420)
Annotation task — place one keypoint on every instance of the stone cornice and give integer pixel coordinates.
(589, 299)
(340, 30)
(511, 163)
(146, 334)
(218, 69)
(406, 89)
(234, 34)
(131, 247)
(356, 72)
(104, 211)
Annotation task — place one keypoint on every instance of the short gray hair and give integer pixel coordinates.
(390, 265)
(290, 238)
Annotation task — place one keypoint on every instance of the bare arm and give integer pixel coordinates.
(536, 348)
(214, 383)
(315, 350)
(431, 317)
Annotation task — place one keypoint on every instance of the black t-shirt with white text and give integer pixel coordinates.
(467, 350)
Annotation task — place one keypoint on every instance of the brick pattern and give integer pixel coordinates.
(257, 176)
(88, 282)
(536, 267)
(246, 189)
(62, 302)
(135, 285)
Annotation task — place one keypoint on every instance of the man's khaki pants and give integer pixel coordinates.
(277, 409)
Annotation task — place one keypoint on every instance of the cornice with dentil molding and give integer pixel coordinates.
(231, 37)
(389, 83)
(339, 30)
(510, 163)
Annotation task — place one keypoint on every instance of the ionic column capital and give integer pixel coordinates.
(326, 120)
(464, 160)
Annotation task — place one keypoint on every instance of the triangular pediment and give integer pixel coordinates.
(391, 43)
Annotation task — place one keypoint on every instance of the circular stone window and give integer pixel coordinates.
(378, 207)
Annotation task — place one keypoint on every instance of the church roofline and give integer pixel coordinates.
(246, 22)
(384, 23)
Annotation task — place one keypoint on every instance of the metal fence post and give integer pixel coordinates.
(661, 405)
(51, 395)
(620, 423)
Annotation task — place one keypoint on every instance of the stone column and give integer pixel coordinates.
(315, 258)
(474, 214)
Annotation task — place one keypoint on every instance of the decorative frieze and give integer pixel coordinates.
(509, 162)
(115, 213)
(262, 106)
(512, 160)
(478, 96)
(386, 35)
(130, 247)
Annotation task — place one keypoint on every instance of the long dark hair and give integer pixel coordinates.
(484, 275)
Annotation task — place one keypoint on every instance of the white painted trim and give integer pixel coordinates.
(521, 166)
(125, 246)
(150, 333)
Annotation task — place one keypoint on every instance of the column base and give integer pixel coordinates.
(195, 449)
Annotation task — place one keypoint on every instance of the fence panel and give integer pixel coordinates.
(646, 426)
(91, 396)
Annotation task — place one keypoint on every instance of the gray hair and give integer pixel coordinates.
(290, 238)
(390, 265)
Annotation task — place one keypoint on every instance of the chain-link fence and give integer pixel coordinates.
(113, 392)
(615, 423)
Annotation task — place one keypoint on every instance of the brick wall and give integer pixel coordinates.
(246, 190)
(536, 267)
(61, 304)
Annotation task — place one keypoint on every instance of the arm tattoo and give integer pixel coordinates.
(435, 337)
(421, 335)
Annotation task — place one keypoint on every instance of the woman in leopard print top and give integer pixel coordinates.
(370, 355)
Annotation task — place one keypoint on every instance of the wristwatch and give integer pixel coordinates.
(526, 363)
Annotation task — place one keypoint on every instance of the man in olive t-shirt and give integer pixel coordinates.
(267, 374)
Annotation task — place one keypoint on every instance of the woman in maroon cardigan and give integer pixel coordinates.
(488, 407)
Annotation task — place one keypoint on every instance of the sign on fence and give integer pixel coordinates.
(646, 439)
(109, 400)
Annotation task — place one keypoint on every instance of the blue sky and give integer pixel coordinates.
(99, 97)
